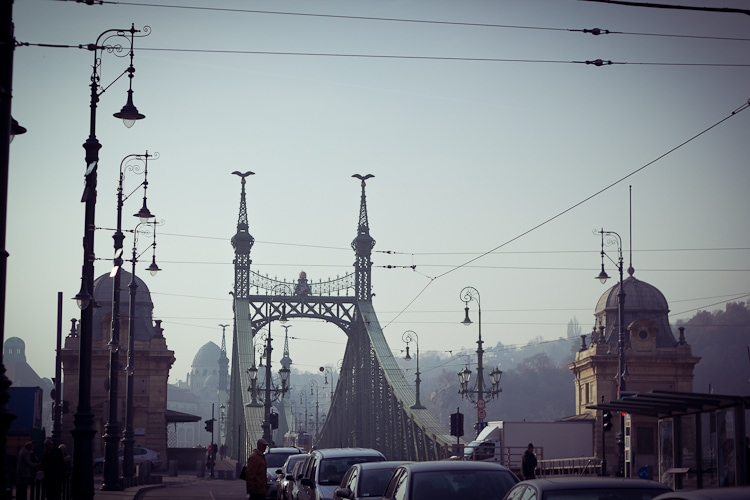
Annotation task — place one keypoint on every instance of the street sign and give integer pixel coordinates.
(479, 426)
(481, 414)
(481, 404)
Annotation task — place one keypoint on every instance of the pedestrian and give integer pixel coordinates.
(27, 464)
(53, 466)
(255, 475)
(528, 463)
(223, 451)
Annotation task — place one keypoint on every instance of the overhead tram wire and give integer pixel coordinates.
(734, 113)
(595, 31)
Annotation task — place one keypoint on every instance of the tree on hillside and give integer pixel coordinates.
(721, 340)
(536, 390)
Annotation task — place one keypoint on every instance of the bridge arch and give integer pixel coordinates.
(372, 402)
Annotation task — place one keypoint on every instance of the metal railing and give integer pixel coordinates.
(579, 466)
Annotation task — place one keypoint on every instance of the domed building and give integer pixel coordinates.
(653, 360)
(205, 386)
(152, 361)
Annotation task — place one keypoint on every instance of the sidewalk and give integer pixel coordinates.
(223, 470)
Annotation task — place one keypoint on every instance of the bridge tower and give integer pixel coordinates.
(242, 242)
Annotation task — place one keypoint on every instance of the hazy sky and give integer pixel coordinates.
(496, 151)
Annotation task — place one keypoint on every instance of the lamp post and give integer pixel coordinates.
(326, 371)
(411, 336)
(317, 406)
(620, 378)
(268, 392)
(135, 163)
(10, 128)
(128, 468)
(478, 393)
(303, 396)
(83, 420)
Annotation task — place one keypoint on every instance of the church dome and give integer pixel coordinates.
(639, 295)
(144, 328)
(642, 301)
(15, 349)
(207, 356)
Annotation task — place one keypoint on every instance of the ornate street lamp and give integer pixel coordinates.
(327, 370)
(136, 163)
(267, 391)
(478, 395)
(622, 370)
(411, 336)
(128, 439)
(317, 407)
(303, 397)
(83, 420)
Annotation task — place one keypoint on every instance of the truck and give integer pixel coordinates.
(505, 442)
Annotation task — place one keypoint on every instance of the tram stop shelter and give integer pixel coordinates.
(702, 440)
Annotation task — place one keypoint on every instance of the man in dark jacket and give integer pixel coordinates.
(528, 463)
(255, 476)
(53, 466)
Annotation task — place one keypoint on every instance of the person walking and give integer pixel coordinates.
(53, 466)
(528, 463)
(255, 475)
(26, 469)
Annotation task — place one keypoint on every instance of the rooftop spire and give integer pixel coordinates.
(242, 242)
(362, 245)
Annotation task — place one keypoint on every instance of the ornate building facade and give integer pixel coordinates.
(152, 362)
(653, 359)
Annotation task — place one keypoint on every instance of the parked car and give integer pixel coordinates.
(586, 488)
(140, 455)
(728, 493)
(323, 470)
(450, 480)
(275, 459)
(366, 480)
(286, 476)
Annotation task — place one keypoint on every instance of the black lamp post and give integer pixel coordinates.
(267, 391)
(411, 336)
(136, 163)
(128, 467)
(314, 383)
(10, 128)
(303, 396)
(620, 378)
(83, 420)
(326, 371)
(477, 394)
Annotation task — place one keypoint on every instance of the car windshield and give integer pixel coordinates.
(372, 483)
(332, 470)
(276, 460)
(605, 494)
(461, 484)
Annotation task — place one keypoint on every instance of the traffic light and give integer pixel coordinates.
(274, 418)
(457, 424)
(209, 425)
(606, 420)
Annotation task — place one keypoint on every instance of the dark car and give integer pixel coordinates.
(730, 493)
(586, 488)
(323, 470)
(366, 480)
(450, 480)
(275, 459)
(286, 476)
